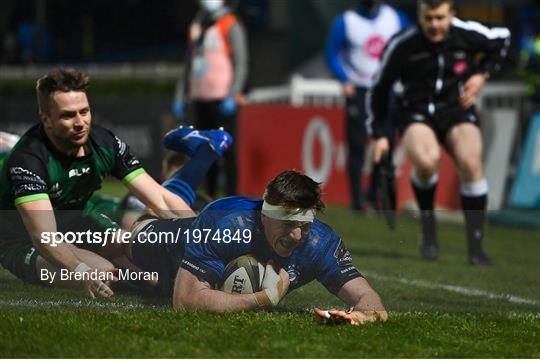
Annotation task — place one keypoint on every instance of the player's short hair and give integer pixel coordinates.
(432, 4)
(293, 189)
(59, 80)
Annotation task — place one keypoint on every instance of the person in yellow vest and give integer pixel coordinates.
(216, 73)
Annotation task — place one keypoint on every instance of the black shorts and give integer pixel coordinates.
(20, 259)
(440, 123)
(17, 254)
(160, 256)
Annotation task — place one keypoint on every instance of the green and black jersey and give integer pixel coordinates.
(3, 156)
(35, 170)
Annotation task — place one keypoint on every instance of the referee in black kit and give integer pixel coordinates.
(443, 63)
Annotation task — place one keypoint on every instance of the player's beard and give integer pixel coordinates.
(71, 145)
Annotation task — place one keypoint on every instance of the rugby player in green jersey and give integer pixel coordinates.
(48, 178)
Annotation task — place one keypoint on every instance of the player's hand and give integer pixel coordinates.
(382, 147)
(275, 286)
(178, 109)
(228, 106)
(471, 89)
(338, 317)
(97, 288)
(240, 100)
(348, 90)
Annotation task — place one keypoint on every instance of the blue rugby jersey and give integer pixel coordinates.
(322, 256)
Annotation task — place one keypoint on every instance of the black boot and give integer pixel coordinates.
(480, 259)
(429, 248)
(475, 214)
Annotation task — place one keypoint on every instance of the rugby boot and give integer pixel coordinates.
(428, 245)
(188, 139)
(480, 259)
(220, 140)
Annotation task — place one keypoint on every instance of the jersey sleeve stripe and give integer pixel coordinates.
(392, 45)
(132, 175)
(29, 198)
(493, 33)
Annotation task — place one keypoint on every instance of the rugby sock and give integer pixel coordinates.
(474, 203)
(425, 197)
(186, 180)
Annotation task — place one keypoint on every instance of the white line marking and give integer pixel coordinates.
(457, 289)
(36, 303)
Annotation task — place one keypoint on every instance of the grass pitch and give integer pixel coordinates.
(437, 309)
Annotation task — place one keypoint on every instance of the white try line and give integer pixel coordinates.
(456, 289)
(36, 303)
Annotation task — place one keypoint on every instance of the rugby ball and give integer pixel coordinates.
(243, 275)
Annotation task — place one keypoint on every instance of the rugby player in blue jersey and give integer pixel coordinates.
(281, 231)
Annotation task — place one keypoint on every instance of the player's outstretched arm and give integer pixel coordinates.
(358, 294)
(38, 217)
(192, 294)
(161, 201)
(365, 303)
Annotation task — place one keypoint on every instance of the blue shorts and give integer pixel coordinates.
(161, 256)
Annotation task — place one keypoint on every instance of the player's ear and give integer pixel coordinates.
(452, 9)
(42, 117)
(265, 220)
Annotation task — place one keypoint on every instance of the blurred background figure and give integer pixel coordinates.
(353, 49)
(530, 65)
(216, 73)
(7, 141)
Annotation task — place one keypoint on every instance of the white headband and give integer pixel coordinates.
(283, 213)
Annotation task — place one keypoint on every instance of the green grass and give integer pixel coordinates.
(434, 311)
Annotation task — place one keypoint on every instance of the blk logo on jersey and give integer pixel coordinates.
(78, 172)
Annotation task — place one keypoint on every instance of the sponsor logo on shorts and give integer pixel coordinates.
(29, 256)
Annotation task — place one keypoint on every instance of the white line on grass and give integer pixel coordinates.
(36, 303)
(457, 289)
